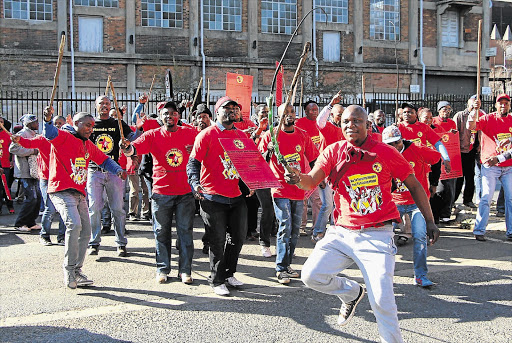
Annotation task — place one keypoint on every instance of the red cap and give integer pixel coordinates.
(160, 105)
(223, 101)
(502, 96)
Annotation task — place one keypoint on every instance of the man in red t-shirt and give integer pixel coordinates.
(360, 171)
(214, 180)
(496, 130)
(296, 148)
(5, 161)
(420, 158)
(70, 154)
(170, 147)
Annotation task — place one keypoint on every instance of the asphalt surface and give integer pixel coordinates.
(470, 302)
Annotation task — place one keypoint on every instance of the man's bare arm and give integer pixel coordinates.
(305, 181)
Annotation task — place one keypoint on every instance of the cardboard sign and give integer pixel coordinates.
(249, 163)
(452, 144)
(239, 88)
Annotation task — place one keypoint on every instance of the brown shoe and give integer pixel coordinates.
(480, 238)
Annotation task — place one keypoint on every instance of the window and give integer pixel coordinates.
(278, 16)
(223, 15)
(450, 29)
(28, 9)
(90, 34)
(98, 3)
(337, 11)
(162, 13)
(385, 19)
(331, 46)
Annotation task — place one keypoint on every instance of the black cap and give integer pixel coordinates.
(408, 104)
(202, 108)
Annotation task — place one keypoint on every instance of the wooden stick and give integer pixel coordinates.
(479, 57)
(208, 94)
(363, 91)
(197, 91)
(301, 95)
(108, 86)
(57, 70)
(151, 88)
(117, 110)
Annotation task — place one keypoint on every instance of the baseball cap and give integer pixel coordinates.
(391, 134)
(442, 104)
(408, 104)
(166, 104)
(224, 101)
(502, 96)
(202, 108)
(28, 118)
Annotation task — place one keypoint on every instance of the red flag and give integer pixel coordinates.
(239, 88)
(279, 85)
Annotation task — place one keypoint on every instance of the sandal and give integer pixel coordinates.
(401, 240)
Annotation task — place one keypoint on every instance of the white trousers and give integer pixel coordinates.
(373, 250)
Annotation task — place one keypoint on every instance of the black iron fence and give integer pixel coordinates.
(14, 104)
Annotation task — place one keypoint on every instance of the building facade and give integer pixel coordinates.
(132, 40)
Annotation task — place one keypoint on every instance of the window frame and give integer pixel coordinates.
(28, 10)
(159, 16)
(320, 16)
(96, 4)
(223, 8)
(443, 16)
(385, 15)
(280, 18)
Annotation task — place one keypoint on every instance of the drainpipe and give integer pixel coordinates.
(314, 50)
(421, 53)
(72, 50)
(203, 57)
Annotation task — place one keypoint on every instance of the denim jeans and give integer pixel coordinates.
(326, 196)
(419, 237)
(500, 203)
(48, 214)
(267, 215)
(316, 203)
(72, 207)
(289, 217)
(489, 177)
(29, 210)
(182, 207)
(224, 218)
(478, 179)
(98, 181)
(373, 250)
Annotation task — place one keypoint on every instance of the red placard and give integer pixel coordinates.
(452, 144)
(249, 163)
(239, 88)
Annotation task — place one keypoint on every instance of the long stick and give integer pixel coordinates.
(117, 110)
(151, 88)
(479, 57)
(57, 70)
(301, 94)
(363, 91)
(197, 91)
(107, 89)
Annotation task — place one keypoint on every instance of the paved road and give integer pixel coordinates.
(471, 301)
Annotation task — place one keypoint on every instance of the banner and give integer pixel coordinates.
(452, 144)
(239, 88)
(279, 85)
(249, 163)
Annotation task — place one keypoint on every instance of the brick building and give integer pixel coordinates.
(134, 39)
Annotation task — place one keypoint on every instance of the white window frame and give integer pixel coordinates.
(217, 16)
(330, 52)
(276, 19)
(86, 22)
(334, 9)
(97, 3)
(29, 12)
(382, 14)
(450, 29)
(158, 20)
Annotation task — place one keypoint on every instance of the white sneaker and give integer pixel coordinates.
(221, 290)
(233, 282)
(35, 227)
(265, 251)
(23, 228)
(186, 278)
(161, 277)
(445, 220)
(82, 280)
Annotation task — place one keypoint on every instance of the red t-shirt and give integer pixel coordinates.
(244, 124)
(380, 128)
(296, 147)
(150, 124)
(311, 128)
(420, 158)
(376, 136)
(5, 141)
(69, 159)
(330, 134)
(494, 128)
(363, 195)
(170, 158)
(218, 174)
(43, 158)
(444, 126)
(418, 133)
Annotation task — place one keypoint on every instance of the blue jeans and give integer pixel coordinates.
(98, 181)
(72, 207)
(478, 179)
(500, 204)
(326, 196)
(489, 177)
(289, 217)
(419, 236)
(48, 214)
(183, 208)
(29, 210)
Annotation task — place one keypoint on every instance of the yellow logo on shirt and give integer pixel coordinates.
(377, 167)
(446, 138)
(174, 157)
(412, 164)
(239, 144)
(363, 180)
(105, 143)
(298, 148)
(420, 134)
(510, 129)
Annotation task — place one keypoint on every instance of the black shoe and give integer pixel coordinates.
(206, 249)
(500, 214)
(93, 250)
(347, 309)
(105, 230)
(61, 242)
(470, 204)
(121, 251)
(480, 238)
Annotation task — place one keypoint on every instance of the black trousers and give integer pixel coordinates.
(267, 216)
(441, 202)
(468, 177)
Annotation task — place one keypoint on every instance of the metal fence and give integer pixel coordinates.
(14, 104)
